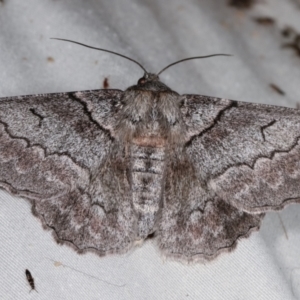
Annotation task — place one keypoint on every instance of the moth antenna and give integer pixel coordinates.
(104, 50)
(190, 58)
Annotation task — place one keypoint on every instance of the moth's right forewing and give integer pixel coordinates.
(200, 113)
(248, 153)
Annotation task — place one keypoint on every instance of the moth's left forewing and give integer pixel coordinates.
(103, 105)
(58, 151)
(247, 153)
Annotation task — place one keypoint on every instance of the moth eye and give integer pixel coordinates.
(142, 81)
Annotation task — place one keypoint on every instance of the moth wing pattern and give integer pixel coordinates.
(51, 149)
(240, 160)
(91, 161)
(251, 154)
(196, 224)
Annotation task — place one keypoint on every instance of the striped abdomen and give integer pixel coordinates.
(147, 185)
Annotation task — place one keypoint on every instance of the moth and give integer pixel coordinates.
(30, 280)
(104, 169)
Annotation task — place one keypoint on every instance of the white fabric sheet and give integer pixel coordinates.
(156, 33)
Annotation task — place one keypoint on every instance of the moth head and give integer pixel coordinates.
(146, 78)
(150, 82)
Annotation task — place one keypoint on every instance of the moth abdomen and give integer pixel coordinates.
(147, 172)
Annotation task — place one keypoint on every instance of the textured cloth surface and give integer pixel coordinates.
(155, 33)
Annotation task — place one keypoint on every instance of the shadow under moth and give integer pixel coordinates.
(106, 168)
